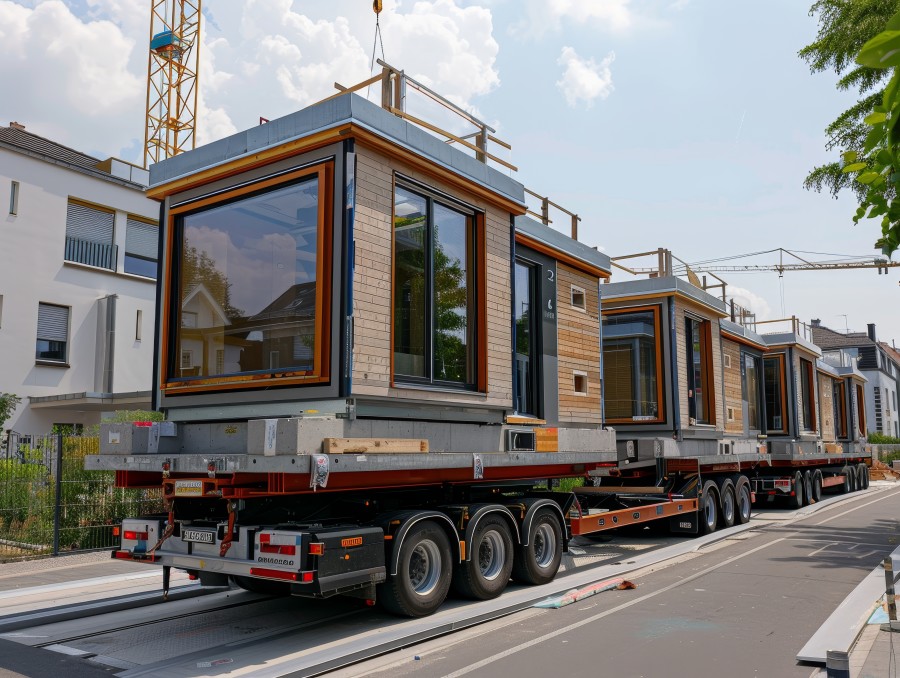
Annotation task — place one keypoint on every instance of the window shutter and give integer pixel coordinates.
(53, 323)
(141, 239)
(90, 224)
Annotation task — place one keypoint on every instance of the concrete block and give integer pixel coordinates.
(297, 435)
(586, 440)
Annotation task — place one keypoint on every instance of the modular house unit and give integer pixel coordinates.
(743, 365)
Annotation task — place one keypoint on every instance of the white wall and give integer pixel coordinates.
(32, 270)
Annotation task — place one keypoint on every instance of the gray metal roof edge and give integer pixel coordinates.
(779, 338)
(515, 191)
(574, 248)
(851, 371)
(84, 395)
(741, 331)
(822, 366)
(97, 174)
(662, 286)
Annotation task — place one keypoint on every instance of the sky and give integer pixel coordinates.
(684, 124)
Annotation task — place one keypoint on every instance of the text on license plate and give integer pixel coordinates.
(188, 488)
(202, 536)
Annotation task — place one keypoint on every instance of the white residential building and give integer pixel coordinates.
(78, 260)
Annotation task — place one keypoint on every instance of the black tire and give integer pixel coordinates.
(423, 573)
(796, 500)
(264, 586)
(727, 503)
(862, 479)
(538, 562)
(487, 573)
(817, 486)
(743, 500)
(846, 488)
(708, 509)
(807, 487)
(851, 475)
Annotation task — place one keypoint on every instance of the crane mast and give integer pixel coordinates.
(172, 72)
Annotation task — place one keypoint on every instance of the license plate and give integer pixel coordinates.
(199, 536)
(188, 488)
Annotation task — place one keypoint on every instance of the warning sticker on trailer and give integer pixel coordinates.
(188, 488)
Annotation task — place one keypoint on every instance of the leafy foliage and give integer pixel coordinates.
(844, 27)
(128, 416)
(8, 404)
(882, 439)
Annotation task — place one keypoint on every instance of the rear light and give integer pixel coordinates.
(117, 531)
(283, 550)
(783, 484)
(317, 548)
(136, 536)
(305, 577)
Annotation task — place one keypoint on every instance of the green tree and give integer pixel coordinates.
(844, 27)
(8, 404)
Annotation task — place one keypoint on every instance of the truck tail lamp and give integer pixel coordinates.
(136, 536)
(317, 548)
(270, 573)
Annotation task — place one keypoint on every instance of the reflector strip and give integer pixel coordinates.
(277, 548)
(278, 574)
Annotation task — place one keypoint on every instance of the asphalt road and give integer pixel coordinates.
(743, 607)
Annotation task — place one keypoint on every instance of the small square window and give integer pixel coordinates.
(138, 322)
(730, 411)
(580, 383)
(727, 360)
(578, 299)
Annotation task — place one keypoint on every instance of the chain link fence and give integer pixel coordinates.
(50, 504)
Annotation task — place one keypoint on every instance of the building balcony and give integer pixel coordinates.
(101, 255)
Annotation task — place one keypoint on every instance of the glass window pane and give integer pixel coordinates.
(453, 297)
(248, 283)
(411, 310)
(751, 372)
(806, 395)
(525, 356)
(629, 366)
(774, 405)
(139, 266)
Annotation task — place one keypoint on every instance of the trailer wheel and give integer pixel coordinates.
(796, 501)
(817, 486)
(726, 503)
(264, 586)
(847, 487)
(851, 476)
(538, 561)
(863, 477)
(423, 573)
(743, 499)
(708, 508)
(807, 488)
(487, 573)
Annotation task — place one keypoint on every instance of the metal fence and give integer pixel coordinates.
(50, 504)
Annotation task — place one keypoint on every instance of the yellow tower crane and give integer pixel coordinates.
(172, 72)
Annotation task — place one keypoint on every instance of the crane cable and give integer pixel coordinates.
(376, 7)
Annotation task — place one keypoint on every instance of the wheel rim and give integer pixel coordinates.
(728, 507)
(425, 567)
(711, 511)
(491, 555)
(544, 545)
(744, 503)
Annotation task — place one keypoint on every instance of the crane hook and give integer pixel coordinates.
(376, 5)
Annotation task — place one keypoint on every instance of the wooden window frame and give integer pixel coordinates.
(656, 309)
(706, 359)
(782, 378)
(321, 373)
(810, 408)
(479, 260)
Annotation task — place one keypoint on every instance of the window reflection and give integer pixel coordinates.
(248, 277)
(630, 369)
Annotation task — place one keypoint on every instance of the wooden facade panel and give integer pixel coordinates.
(578, 346)
(731, 354)
(373, 233)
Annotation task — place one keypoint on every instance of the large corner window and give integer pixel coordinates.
(752, 391)
(808, 405)
(701, 406)
(632, 383)
(250, 297)
(52, 334)
(89, 235)
(776, 397)
(434, 305)
(141, 241)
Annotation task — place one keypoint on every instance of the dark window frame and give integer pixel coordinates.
(760, 389)
(782, 394)
(536, 347)
(807, 396)
(708, 401)
(476, 316)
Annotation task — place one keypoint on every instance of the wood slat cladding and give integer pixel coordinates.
(578, 345)
(733, 389)
(717, 401)
(826, 407)
(372, 286)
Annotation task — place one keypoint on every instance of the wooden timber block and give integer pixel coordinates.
(374, 445)
(546, 440)
(833, 448)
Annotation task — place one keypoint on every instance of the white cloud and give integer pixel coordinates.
(583, 80)
(542, 16)
(750, 301)
(79, 68)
